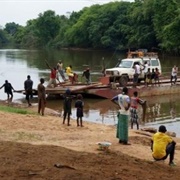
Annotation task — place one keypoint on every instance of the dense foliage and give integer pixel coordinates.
(116, 25)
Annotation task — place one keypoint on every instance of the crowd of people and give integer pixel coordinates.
(59, 75)
(162, 145)
(41, 91)
(151, 77)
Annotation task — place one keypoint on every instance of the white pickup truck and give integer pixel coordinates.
(124, 71)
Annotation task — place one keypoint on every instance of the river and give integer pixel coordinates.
(16, 64)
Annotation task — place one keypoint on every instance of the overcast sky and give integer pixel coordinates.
(20, 11)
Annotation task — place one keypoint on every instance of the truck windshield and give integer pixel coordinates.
(154, 62)
(124, 64)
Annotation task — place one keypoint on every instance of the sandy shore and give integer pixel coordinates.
(49, 130)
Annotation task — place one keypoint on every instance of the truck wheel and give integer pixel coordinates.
(123, 80)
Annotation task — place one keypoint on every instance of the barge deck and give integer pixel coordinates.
(104, 90)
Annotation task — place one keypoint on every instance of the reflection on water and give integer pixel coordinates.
(15, 65)
(162, 107)
(95, 110)
(160, 110)
(163, 110)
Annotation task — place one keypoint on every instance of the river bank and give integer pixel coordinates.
(31, 145)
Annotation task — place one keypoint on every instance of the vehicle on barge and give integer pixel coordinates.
(124, 71)
(118, 77)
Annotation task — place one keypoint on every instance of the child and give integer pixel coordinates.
(135, 100)
(67, 106)
(79, 104)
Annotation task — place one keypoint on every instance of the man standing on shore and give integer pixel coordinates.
(123, 100)
(28, 84)
(41, 97)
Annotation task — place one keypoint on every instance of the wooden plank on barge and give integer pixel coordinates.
(72, 88)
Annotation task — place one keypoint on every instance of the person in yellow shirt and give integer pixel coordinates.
(69, 71)
(72, 76)
(162, 146)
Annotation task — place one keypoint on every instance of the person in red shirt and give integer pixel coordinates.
(53, 76)
(135, 100)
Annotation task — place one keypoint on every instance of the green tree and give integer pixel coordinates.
(3, 38)
(167, 24)
(47, 25)
(29, 35)
(11, 28)
(60, 40)
(141, 33)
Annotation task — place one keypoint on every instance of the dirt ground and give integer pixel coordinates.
(36, 147)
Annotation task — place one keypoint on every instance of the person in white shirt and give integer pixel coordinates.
(60, 69)
(137, 73)
(123, 100)
(145, 70)
(174, 74)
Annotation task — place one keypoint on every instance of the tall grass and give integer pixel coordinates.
(14, 110)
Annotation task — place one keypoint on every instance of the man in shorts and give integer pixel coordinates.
(135, 100)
